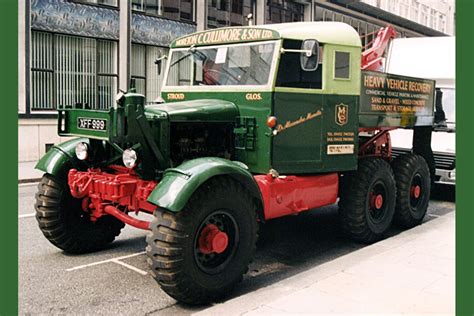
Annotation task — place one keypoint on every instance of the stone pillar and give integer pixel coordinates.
(201, 15)
(125, 20)
(259, 17)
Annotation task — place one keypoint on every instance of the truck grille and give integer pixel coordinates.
(446, 161)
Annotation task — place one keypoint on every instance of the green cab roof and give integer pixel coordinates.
(324, 32)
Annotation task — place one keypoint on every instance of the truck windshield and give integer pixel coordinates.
(239, 64)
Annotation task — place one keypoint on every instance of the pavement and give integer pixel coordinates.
(410, 273)
(28, 173)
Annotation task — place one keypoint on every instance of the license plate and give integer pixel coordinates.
(92, 124)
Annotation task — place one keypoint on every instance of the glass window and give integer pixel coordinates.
(227, 12)
(341, 65)
(171, 9)
(42, 71)
(153, 79)
(137, 67)
(112, 3)
(106, 73)
(239, 64)
(297, 77)
(66, 70)
(280, 11)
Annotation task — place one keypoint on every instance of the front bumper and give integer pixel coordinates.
(446, 176)
(115, 192)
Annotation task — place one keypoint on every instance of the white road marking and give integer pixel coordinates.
(26, 215)
(105, 261)
(126, 265)
(28, 184)
(434, 215)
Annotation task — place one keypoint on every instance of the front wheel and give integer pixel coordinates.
(199, 254)
(66, 225)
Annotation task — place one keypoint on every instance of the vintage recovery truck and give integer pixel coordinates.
(256, 123)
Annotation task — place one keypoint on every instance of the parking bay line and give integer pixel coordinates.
(26, 215)
(126, 265)
(113, 260)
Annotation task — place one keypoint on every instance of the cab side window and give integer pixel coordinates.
(290, 73)
(342, 65)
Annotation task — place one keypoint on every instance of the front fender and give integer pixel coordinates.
(179, 184)
(60, 158)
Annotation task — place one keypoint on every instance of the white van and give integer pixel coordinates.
(432, 58)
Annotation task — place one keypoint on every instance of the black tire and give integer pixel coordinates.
(411, 172)
(174, 255)
(365, 216)
(65, 224)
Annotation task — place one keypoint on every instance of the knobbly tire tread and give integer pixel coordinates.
(353, 199)
(404, 167)
(62, 229)
(171, 234)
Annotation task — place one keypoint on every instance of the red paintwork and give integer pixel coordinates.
(120, 187)
(293, 194)
(372, 57)
(378, 145)
(212, 240)
(112, 210)
(378, 201)
(416, 191)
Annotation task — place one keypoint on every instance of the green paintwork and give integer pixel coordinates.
(202, 110)
(179, 184)
(258, 158)
(60, 158)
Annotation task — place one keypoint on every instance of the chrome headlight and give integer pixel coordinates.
(82, 151)
(129, 158)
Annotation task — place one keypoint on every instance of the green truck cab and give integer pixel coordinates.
(255, 123)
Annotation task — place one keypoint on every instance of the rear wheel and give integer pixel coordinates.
(367, 200)
(199, 254)
(66, 225)
(412, 176)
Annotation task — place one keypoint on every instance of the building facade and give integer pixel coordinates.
(68, 49)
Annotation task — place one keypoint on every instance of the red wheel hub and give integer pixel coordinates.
(416, 191)
(378, 201)
(212, 240)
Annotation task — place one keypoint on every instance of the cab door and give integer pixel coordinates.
(298, 107)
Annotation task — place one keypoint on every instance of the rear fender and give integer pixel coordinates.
(60, 158)
(179, 184)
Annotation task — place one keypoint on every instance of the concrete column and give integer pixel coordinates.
(201, 15)
(124, 44)
(309, 11)
(259, 17)
(23, 54)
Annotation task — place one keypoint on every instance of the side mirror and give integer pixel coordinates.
(309, 58)
(159, 61)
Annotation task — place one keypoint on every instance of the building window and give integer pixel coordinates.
(112, 3)
(171, 9)
(280, 11)
(227, 12)
(66, 70)
(144, 70)
(415, 5)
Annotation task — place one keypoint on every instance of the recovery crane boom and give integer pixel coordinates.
(372, 57)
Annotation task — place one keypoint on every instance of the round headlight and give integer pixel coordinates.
(81, 151)
(129, 158)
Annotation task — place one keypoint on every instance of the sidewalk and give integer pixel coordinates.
(412, 273)
(28, 173)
